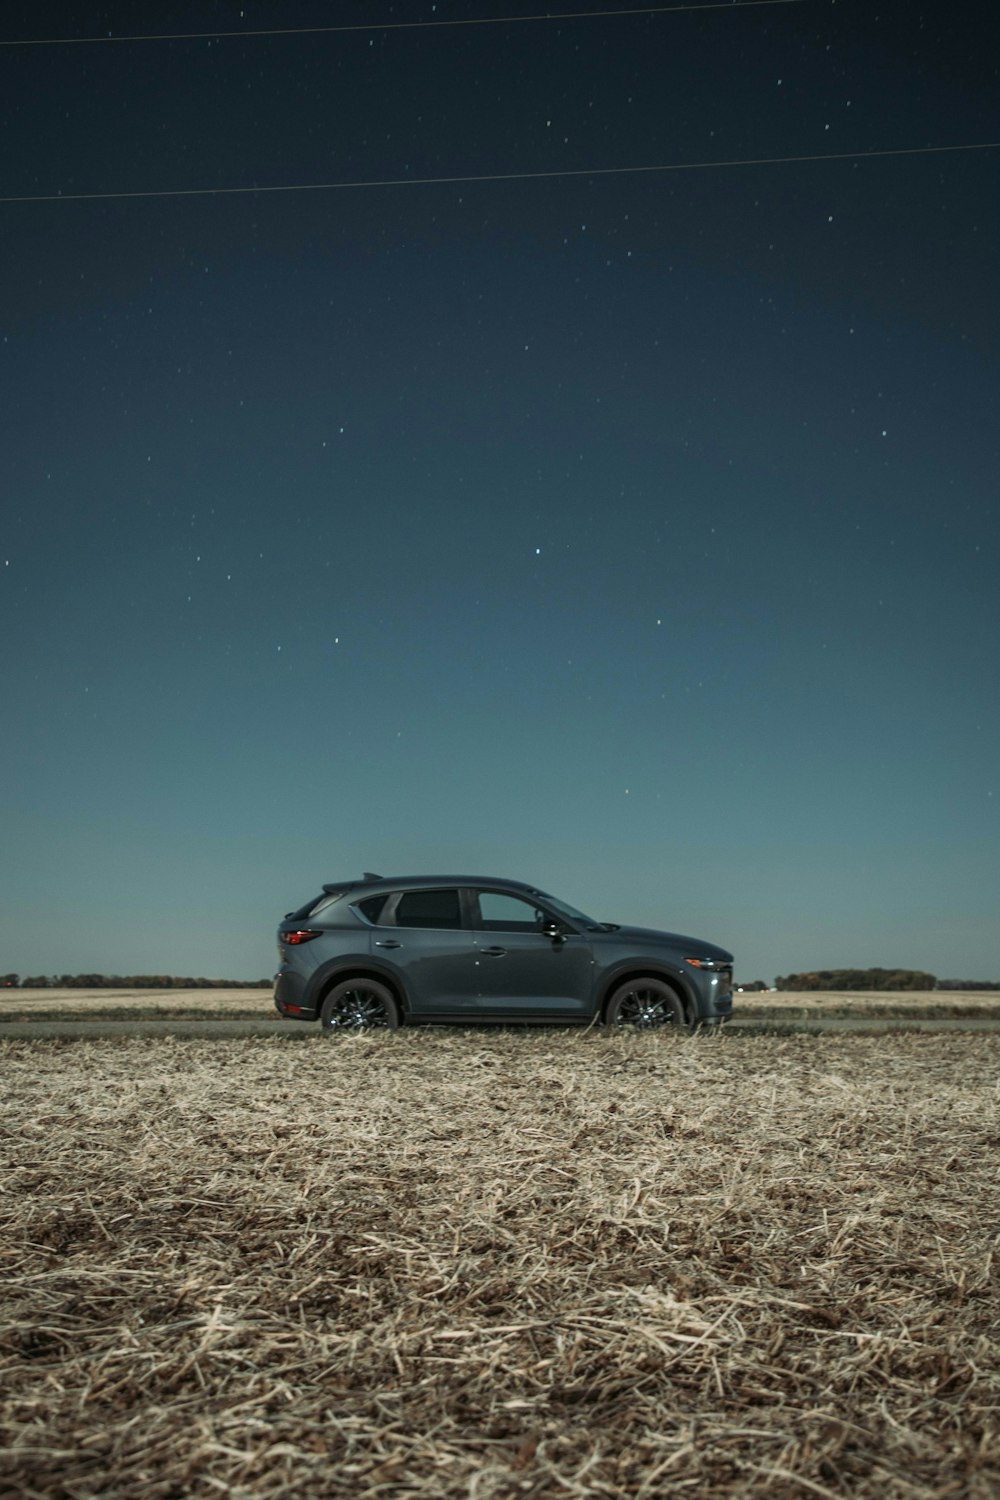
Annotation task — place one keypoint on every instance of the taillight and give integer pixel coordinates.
(300, 935)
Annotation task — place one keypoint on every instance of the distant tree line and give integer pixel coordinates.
(126, 981)
(968, 984)
(858, 979)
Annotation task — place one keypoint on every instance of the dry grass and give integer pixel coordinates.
(811, 1004)
(488, 1265)
(258, 1004)
(128, 1004)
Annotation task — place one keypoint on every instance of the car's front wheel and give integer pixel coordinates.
(359, 1005)
(645, 1004)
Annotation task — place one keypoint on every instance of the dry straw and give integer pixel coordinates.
(254, 1003)
(138, 1004)
(500, 1264)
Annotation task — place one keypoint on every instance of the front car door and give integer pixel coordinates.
(520, 970)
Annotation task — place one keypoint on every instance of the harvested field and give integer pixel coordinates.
(139, 1004)
(501, 1264)
(257, 1004)
(890, 1004)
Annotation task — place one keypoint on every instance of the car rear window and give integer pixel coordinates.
(315, 906)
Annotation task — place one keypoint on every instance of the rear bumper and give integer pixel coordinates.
(289, 998)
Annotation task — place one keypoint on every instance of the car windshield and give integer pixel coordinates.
(563, 909)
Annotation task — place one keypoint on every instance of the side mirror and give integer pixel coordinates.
(552, 929)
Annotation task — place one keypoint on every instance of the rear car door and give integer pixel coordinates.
(521, 970)
(421, 933)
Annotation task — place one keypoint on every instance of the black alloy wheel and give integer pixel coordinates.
(359, 1005)
(646, 1004)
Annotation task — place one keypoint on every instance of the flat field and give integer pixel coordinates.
(501, 1264)
(884, 1004)
(257, 1004)
(137, 1004)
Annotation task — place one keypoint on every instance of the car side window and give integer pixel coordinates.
(371, 908)
(439, 908)
(499, 912)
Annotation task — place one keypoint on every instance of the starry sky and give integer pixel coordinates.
(555, 448)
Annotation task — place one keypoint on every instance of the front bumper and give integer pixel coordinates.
(716, 1006)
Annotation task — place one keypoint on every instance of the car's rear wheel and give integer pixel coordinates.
(359, 1005)
(646, 1004)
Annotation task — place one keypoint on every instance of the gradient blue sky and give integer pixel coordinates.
(633, 534)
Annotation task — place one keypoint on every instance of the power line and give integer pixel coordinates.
(576, 15)
(388, 182)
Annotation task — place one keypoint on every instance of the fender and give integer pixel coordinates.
(656, 969)
(350, 963)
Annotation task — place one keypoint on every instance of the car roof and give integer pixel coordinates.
(404, 882)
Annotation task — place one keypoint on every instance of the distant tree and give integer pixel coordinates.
(857, 979)
(128, 982)
(131, 982)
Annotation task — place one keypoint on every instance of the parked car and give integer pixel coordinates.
(381, 952)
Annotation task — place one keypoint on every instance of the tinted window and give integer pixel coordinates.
(371, 907)
(314, 907)
(301, 912)
(502, 913)
(428, 909)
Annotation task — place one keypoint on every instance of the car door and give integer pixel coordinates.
(422, 934)
(521, 970)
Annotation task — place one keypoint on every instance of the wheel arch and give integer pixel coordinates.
(360, 968)
(630, 973)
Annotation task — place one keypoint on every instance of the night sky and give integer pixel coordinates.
(632, 532)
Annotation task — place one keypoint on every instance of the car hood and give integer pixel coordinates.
(693, 947)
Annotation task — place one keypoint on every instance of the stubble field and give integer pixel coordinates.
(257, 1004)
(134, 1003)
(501, 1264)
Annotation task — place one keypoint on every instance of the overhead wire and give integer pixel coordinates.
(466, 178)
(576, 15)
(470, 178)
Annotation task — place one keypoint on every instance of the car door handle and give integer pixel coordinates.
(387, 943)
(493, 952)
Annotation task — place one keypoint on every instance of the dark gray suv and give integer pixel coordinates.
(459, 948)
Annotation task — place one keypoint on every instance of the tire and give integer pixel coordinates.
(359, 1005)
(646, 1004)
